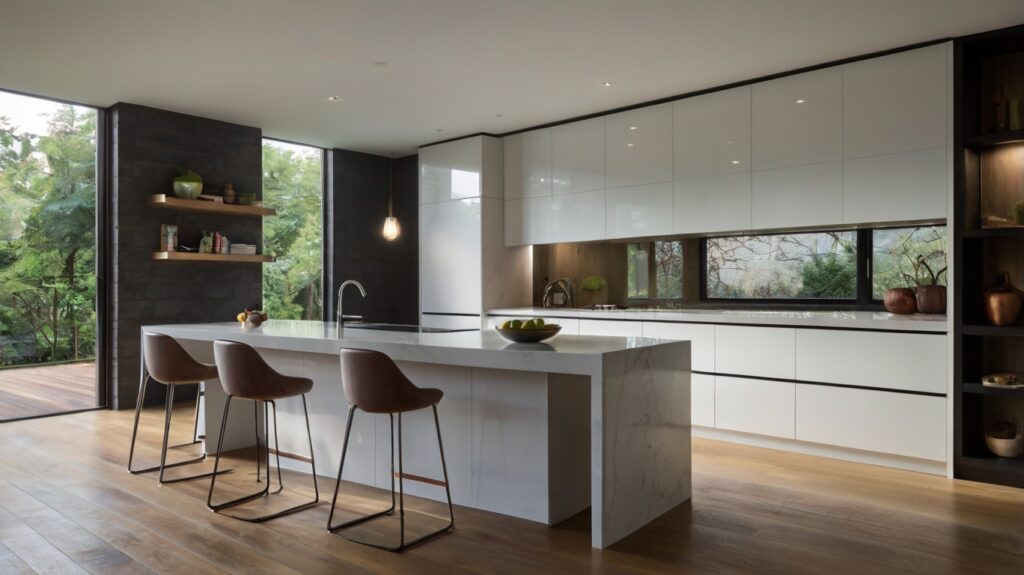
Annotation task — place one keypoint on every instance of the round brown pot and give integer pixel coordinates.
(1002, 303)
(900, 300)
(931, 299)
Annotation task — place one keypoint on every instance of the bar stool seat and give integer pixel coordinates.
(165, 361)
(244, 374)
(374, 384)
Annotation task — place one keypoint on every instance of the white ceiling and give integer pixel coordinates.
(452, 65)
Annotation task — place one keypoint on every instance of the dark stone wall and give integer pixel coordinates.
(147, 147)
(388, 270)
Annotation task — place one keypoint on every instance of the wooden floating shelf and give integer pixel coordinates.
(224, 258)
(171, 202)
(996, 139)
(979, 389)
(994, 330)
(1006, 232)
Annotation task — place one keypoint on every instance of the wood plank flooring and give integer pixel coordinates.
(67, 505)
(31, 391)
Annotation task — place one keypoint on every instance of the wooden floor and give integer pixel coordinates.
(31, 391)
(67, 505)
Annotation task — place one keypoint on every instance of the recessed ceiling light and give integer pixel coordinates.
(735, 161)
(607, 84)
(800, 101)
(730, 142)
(630, 144)
(333, 98)
(632, 127)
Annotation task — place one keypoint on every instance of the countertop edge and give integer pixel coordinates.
(853, 320)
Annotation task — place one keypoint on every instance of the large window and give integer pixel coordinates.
(48, 320)
(655, 270)
(811, 266)
(293, 185)
(903, 256)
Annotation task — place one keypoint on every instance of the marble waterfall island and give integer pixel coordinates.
(537, 431)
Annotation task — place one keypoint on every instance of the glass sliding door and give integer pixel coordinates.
(293, 185)
(48, 313)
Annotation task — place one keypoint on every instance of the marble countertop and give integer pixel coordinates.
(562, 354)
(836, 319)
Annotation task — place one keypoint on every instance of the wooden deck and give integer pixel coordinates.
(67, 505)
(30, 391)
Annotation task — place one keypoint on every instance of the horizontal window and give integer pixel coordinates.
(799, 266)
(905, 257)
(655, 270)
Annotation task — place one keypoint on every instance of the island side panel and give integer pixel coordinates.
(640, 439)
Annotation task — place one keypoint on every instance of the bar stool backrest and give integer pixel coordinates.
(167, 362)
(244, 373)
(373, 382)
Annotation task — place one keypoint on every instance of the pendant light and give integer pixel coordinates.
(391, 228)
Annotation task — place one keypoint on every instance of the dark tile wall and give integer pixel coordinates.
(147, 147)
(388, 270)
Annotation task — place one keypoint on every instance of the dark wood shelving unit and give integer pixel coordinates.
(994, 139)
(988, 179)
(980, 389)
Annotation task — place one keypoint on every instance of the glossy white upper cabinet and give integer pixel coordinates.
(577, 156)
(896, 103)
(798, 119)
(578, 217)
(711, 134)
(451, 171)
(536, 162)
(896, 187)
(798, 196)
(639, 211)
(712, 204)
(512, 152)
(450, 257)
(528, 221)
(638, 147)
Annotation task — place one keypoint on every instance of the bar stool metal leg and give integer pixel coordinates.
(402, 545)
(266, 488)
(168, 406)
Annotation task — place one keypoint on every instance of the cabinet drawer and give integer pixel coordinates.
(612, 328)
(758, 351)
(702, 400)
(701, 336)
(908, 361)
(755, 406)
(883, 421)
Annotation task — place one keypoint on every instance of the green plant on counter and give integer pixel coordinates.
(186, 175)
(593, 284)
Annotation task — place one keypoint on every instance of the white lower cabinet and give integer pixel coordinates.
(906, 361)
(611, 328)
(882, 421)
(702, 399)
(755, 406)
(701, 336)
(757, 351)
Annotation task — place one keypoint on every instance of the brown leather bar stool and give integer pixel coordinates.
(245, 375)
(166, 362)
(374, 384)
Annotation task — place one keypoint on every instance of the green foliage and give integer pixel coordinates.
(292, 185)
(830, 276)
(47, 239)
(593, 283)
(186, 175)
